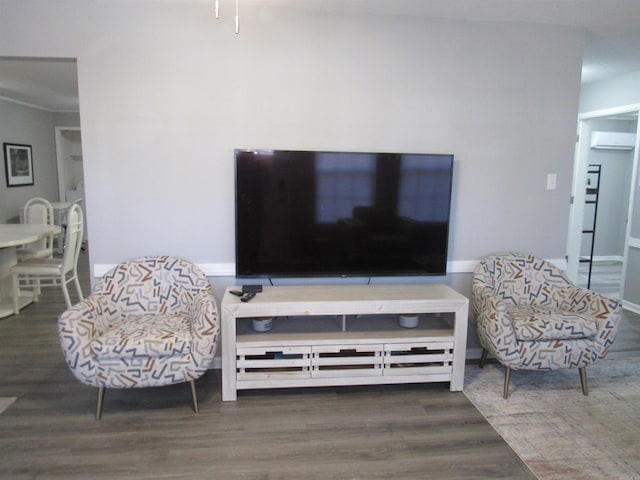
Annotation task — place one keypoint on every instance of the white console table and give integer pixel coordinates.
(343, 335)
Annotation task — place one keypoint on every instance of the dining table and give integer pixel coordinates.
(13, 235)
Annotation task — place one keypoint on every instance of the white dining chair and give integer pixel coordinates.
(42, 272)
(37, 211)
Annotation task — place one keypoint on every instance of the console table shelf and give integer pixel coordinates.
(343, 335)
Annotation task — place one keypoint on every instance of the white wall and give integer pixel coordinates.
(167, 92)
(66, 119)
(27, 126)
(613, 92)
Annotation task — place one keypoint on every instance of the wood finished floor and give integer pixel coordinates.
(399, 432)
(606, 277)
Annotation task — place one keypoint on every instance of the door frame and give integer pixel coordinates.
(578, 195)
(578, 191)
(61, 160)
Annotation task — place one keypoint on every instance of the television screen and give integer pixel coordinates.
(303, 213)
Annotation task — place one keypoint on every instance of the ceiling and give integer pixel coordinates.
(49, 84)
(612, 40)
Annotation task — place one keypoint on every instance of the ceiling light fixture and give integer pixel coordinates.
(237, 18)
(217, 7)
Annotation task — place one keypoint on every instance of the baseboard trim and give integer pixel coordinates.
(608, 258)
(229, 269)
(474, 353)
(634, 307)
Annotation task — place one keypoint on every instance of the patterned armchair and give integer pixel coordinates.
(148, 322)
(531, 317)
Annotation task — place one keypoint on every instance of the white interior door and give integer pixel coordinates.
(69, 159)
(631, 270)
(630, 287)
(578, 192)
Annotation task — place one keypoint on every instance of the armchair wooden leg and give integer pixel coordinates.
(583, 381)
(507, 379)
(100, 403)
(194, 398)
(483, 358)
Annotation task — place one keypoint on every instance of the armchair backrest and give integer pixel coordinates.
(155, 284)
(520, 279)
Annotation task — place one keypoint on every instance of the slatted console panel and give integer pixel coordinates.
(269, 363)
(331, 361)
(346, 335)
(419, 358)
(292, 363)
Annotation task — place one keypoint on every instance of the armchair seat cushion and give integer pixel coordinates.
(541, 322)
(145, 335)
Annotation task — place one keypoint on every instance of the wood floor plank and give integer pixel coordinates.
(404, 431)
(378, 432)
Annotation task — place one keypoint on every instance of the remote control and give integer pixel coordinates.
(247, 296)
(237, 293)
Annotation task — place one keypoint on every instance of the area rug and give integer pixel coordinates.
(5, 402)
(556, 430)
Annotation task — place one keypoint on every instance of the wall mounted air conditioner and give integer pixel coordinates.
(613, 140)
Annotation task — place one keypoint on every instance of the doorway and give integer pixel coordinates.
(602, 210)
(69, 158)
(70, 167)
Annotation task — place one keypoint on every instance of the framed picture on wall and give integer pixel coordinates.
(18, 164)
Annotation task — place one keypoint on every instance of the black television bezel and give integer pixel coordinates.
(345, 274)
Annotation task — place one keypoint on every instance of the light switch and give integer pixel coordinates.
(551, 181)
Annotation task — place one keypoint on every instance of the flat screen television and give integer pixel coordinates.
(304, 213)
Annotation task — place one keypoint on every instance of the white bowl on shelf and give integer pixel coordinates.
(262, 324)
(408, 320)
